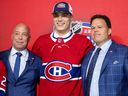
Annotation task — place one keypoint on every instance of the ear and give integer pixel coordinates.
(29, 37)
(109, 31)
(71, 18)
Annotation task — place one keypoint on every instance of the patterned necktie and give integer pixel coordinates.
(17, 65)
(90, 71)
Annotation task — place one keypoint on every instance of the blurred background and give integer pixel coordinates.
(37, 14)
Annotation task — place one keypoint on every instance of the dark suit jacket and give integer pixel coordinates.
(25, 85)
(113, 80)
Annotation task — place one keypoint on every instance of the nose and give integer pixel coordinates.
(20, 36)
(60, 18)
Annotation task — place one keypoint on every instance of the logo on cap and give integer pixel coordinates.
(61, 5)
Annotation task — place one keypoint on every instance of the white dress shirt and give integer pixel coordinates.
(24, 58)
(94, 87)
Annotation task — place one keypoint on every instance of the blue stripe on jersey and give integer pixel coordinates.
(2, 93)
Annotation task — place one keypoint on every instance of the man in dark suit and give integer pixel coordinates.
(105, 73)
(23, 67)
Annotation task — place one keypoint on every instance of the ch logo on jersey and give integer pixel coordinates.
(58, 71)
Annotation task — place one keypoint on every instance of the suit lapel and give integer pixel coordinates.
(108, 56)
(89, 55)
(6, 60)
(86, 60)
(29, 62)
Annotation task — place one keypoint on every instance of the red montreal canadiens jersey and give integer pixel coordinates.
(61, 69)
(2, 79)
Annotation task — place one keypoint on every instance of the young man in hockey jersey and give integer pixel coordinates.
(2, 79)
(62, 52)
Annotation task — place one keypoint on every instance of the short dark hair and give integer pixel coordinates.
(104, 17)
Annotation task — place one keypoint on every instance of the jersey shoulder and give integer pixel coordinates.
(44, 36)
(81, 37)
(42, 39)
(1, 64)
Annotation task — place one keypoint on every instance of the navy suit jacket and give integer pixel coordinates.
(113, 80)
(25, 85)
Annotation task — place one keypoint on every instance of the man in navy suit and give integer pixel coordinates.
(108, 75)
(22, 79)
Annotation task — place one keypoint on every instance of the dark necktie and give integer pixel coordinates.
(17, 65)
(90, 71)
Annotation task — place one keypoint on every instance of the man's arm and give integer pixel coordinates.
(2, 79)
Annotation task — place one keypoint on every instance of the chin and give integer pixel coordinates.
(20, 48)
(60, 29)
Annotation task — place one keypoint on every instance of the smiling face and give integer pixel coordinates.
(100, 31)
(20, 37)
(62, 22)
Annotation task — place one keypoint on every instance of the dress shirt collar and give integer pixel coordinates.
(14, 51)
(105, 46)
